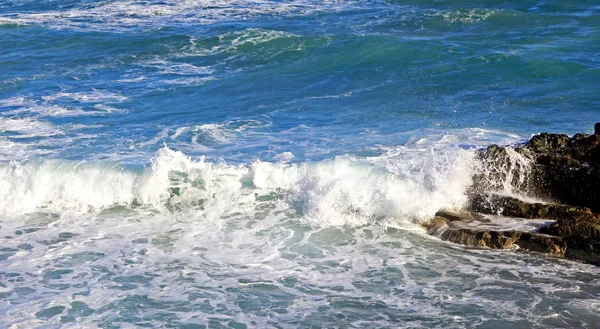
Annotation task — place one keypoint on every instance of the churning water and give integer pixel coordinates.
(267, 164)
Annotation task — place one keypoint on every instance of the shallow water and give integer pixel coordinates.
(241, 164)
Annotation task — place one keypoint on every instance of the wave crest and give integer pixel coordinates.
(409, 186)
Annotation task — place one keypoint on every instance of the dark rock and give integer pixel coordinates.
(568, 180)
(481, 238)
(508, 206)
(549, 166)
(436, 226)
(457, 216)
(501, 167)
(542, 243)
(585, 226)
(585, 250)
(580, 140)
(575, 234)
(529, 241)
(545, 142)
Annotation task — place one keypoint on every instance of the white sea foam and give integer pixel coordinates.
(466, 138)
(51, 110)
(284, 157)
(28, 127)
(340, 191)
(94, 96)
(250, 36)
(13, 101)
(215, 132)
(26, 138)
(118, 15)
(206, 137)
(61, 104)
(15, 148)
(231, 41)
(406, 183)
(171, 68)
(467, 16)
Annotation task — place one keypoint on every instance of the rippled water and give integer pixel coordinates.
(266, 164)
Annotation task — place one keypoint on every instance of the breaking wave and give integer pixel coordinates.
(345, 190)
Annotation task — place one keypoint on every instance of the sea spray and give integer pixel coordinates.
(506, 171)
(340, 191)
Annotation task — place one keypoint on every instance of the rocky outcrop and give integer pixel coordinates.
(512, 207)
(553, 167)
(550, 166)
(455, 228)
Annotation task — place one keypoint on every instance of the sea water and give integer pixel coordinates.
(267, 164)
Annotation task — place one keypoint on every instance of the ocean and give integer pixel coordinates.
(269, 163)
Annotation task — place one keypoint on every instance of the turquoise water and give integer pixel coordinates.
(266, 164)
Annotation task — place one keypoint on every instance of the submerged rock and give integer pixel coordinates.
(549, 167)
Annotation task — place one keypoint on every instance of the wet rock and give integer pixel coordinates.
(512, 207)
(545, 142)
(568, 180)
(501, 167)
(445, 219)
(581, 232)
(549, 166)
(542, 243)
(585, 250)
(575, 234)
(481, 238)
(436, 226)
(584, 226)
(458, 216)
(529, 241)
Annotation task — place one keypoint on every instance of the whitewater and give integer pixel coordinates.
(270, 164)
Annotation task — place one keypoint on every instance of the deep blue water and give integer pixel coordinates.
(265, 163)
